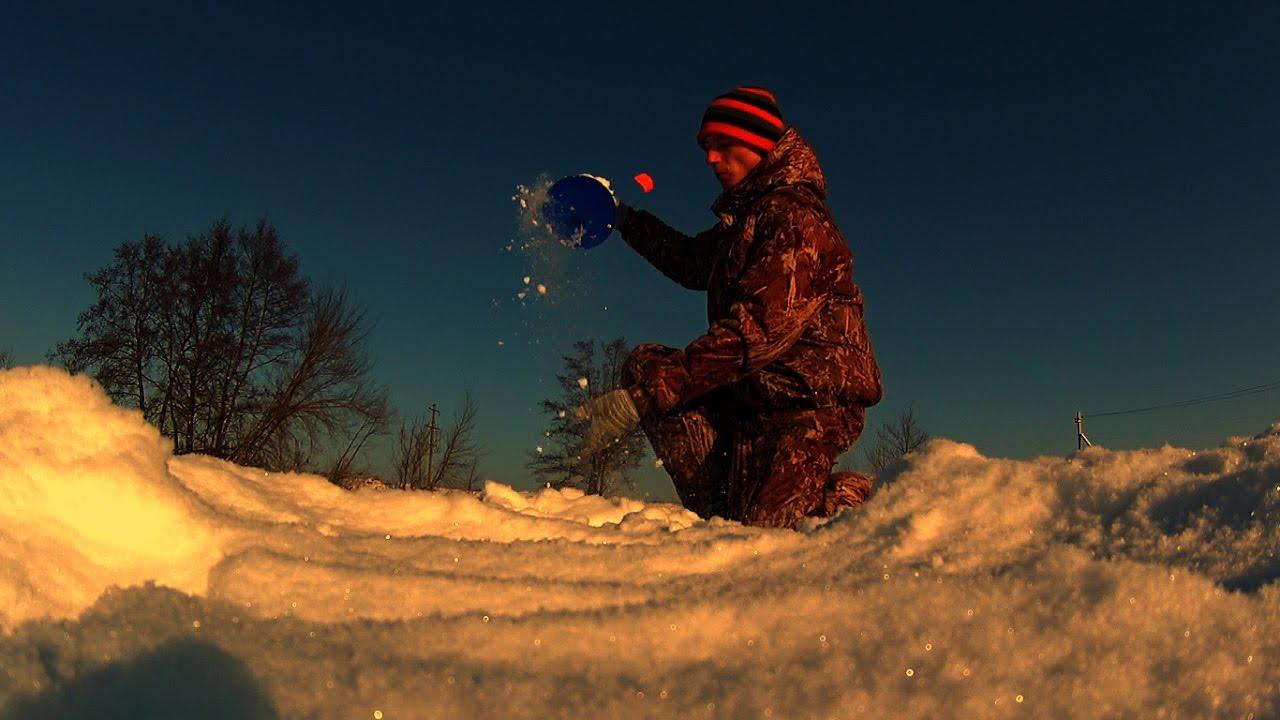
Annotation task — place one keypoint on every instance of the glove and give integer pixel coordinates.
(612, 415)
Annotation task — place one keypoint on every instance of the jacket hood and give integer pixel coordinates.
(790, 162)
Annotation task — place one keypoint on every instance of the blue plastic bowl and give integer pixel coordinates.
(580, 211)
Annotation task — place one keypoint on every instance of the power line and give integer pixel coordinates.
(1243, 392)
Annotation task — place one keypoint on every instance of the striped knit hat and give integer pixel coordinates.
(748, 114)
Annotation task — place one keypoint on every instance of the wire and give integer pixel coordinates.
(1243, 392)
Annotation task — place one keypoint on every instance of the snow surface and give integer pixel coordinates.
(134, 583)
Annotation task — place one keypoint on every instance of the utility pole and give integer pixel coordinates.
(1081, 440)
(432, 431)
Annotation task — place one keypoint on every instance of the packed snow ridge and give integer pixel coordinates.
(1103, 584)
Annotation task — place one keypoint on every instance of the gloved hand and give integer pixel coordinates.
(612, 415)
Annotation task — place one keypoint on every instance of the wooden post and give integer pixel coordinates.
(1081, 440)
(432, 432)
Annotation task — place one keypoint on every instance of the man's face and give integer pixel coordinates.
(730, 159)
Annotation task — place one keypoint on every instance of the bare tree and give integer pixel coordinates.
(324, 391)
(119, 333)
(222, 344)
(6, 359)
(240, 311)
(409, 457)
(894, 439)
(343, 466)
(428, 457)
(560, 463)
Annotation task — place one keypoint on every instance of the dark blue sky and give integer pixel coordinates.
(1054, 206)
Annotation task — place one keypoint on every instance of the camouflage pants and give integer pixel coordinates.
(769, 468)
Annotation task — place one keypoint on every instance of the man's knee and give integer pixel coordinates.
(787, 489)
(790, 477)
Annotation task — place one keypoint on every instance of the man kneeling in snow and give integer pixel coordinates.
(749, 418)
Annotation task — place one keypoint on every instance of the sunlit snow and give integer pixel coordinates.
(134, 583)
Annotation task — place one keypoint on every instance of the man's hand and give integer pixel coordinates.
(612, 415)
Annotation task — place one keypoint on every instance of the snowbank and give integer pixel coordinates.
(1100, 585)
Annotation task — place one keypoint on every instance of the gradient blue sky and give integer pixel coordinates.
(1054, 206)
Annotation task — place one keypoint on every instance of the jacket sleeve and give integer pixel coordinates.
(782, 287)
(682, 258)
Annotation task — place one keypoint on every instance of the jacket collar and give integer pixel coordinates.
(790, 162)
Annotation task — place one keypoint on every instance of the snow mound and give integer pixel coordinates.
(1104, 584)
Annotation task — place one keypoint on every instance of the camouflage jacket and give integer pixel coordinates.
(786, 317)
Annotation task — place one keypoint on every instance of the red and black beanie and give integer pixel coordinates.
(746, 113)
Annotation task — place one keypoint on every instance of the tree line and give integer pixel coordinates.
(229, 350)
